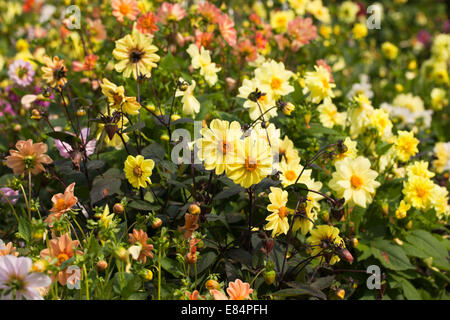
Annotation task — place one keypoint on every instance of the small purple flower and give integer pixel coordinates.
(5, 107)
(65, 148)
(11, 194)
(21, 73)
(446, 26)
(424, 37)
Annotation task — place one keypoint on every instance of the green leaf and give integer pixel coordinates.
(24, 229)
(205, 261)
(391, 256)
(226, 193)
(136, 126)
(154, 151)
(143, 205)
(300, 290)
(171, 266)
(426, 245)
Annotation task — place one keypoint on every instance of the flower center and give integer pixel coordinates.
(136, 56)
(250, 165)
(124, 9)
(275, 83)
(290, 175)
(356, 182)
(223, 147)
(137, 171)
(421, 192)
(282, 212)
(61, 258)
(29, 162)
(59, 73)
(117, 99)
(60, 204)
(22, 72)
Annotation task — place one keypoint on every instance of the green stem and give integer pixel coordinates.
(159, 274)
(87, 282)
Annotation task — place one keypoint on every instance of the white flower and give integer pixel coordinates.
(201, 59)
(16, 281)
(363, 87)
(191, 106)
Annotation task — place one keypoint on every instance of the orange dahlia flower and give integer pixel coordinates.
(28, 157)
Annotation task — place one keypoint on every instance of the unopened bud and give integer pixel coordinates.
(269, 277)
(288, 108)
(81, 112)
(307, 118)
(148, 275)
(340, 293)
(344, 254)
(194, 209)
(118, 208)
(35, 115)
(212, 284)
(122, 254)
(156, 223)
(165, 137)
(17, 127)
(175, 117)
(354, 242)
(102, 265)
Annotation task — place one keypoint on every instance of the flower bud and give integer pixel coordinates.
(118, 208)
(122, 254)
(212, 284)
(269, 277)
(175, 117)
(194, 209)
(35, 115)
(81, 112)
(17, 127)
(340, 293)
(156, 223)
(191, 258)
(148, 275)
(39, 266)
(165, 137)
(102, 265)
(288, 108)
(344, 254)
(354, 242)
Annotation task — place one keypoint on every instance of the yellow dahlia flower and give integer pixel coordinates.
(272, 77)
(405, 145)
(117, 100)
(418, 192)
(420, 169)
(251, 162)
(138, 171)
(277, 220)
(351, 150)
(322, 240)
(201, 59)
(442, 152)
(318, 84)
(355, 181)
(136, 55)
(218, 144)
(329, 115)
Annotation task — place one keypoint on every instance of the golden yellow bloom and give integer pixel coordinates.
(136, 55)
(279, 20)
(419, 168)
(418, 192)
(305, 224)
(403, 208)
(359, 30)
(218, 144)
(355, 181)
(290, 171)
(318, 84)
(251, 162)
(440, 201)
(324, 239)
(277, 220)
(389, 50)
(405, 145)
(138, 171)
(117, 99)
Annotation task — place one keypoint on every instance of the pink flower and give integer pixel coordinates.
(125, 9)
(89, 63)
(301, 31)
(227, 30)
(21, 73)
(10, 194)
(247, 49)
(170, 12)
(260, 41)
(16, 281)
(209, 11)
(65, 149)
